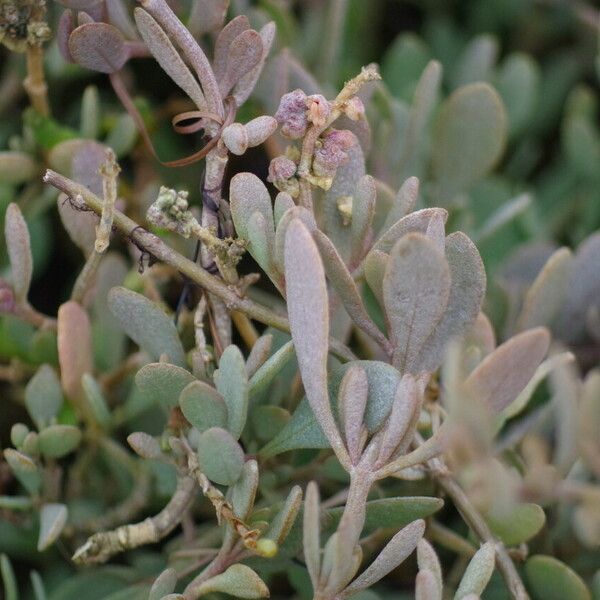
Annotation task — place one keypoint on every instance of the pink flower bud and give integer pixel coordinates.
(281, 168)
(291, 114)
(7, 298)
(282, 173)
(318, 109)
(332, 152)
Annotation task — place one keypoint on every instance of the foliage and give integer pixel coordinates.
(346, 348)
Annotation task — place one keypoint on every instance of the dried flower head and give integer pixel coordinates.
(331, 151)
(292, 114)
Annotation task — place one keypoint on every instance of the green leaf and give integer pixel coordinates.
(58, 440)
(520, 525)
(24, 469)
(164, 584)
(391, 512)
(238, 580)
(203, 406)
(232, 383)
(243, 492)
(43, 396)
(163, 383)
(267, 372)
(18, 244)
(8, 578)
(303, 430)
(268, 421)
(221, 457)
(146, 324)
(95, 400)
(53, 518)
(16, 167)
(518, 81)
(416, 287)
(550, 579)
(469, 138)
(403, 63)
(477, 61)
(39, 591)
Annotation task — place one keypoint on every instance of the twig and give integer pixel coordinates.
(101, 546)
(157, 248)
(35, 82)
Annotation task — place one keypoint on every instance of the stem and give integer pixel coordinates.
(33, 316)
(157, 248)
(35, 82)
(86, 278)
(101, 546)
(477, 523)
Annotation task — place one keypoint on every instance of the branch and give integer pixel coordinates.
(157, 248)
(101, 546)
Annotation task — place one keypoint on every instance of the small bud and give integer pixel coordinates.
(260, 129)
(170, 211)
(292, 114)
(144, 445)
(7, 298)
(18, 433)
(318, 109)
(266, 548)
(355, 109)
(332, 152)
(235, 137)
(282, 173)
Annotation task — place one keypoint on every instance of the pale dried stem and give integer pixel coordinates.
(35, 82)
(157, 248)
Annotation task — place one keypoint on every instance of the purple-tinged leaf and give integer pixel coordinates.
(363, 211)
(504, 373)
(296, 212)
(402, 421)
(416, 287)
(311, 533)
(80, 4)
(244, 54)
(393, 554)
(547, 294)
(235, 27)
(404, 202)
(66, 24)
(259, 354)
(99, 47)
(167, 56)
(207, 16)
(342, 281)
(417, 221)
(375, 266)
(352, 402)
(18, 245)
(436, 231)
(118, 15)
(427, 559)
(246, 84)
(74, 348)
(308, 313)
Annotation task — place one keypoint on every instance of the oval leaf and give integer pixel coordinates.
(203, 406)
(18, 245)
(221, 457)
(53, 518)
(98, 46)
(58, 440)
(146, 324)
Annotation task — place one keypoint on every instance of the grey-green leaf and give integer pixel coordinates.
(391, 512)
(238, 581)
(469, 138)
(96, 403)
(232, 383)
(163, 383)
(478, 573)
(164, 584)
(43, 396)
(203, 406)
(416, 287)
(24, 469)
(467, 290)
(146, 324)
(221, 457)
(53, 518)
(57, 441)
(19, 251)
